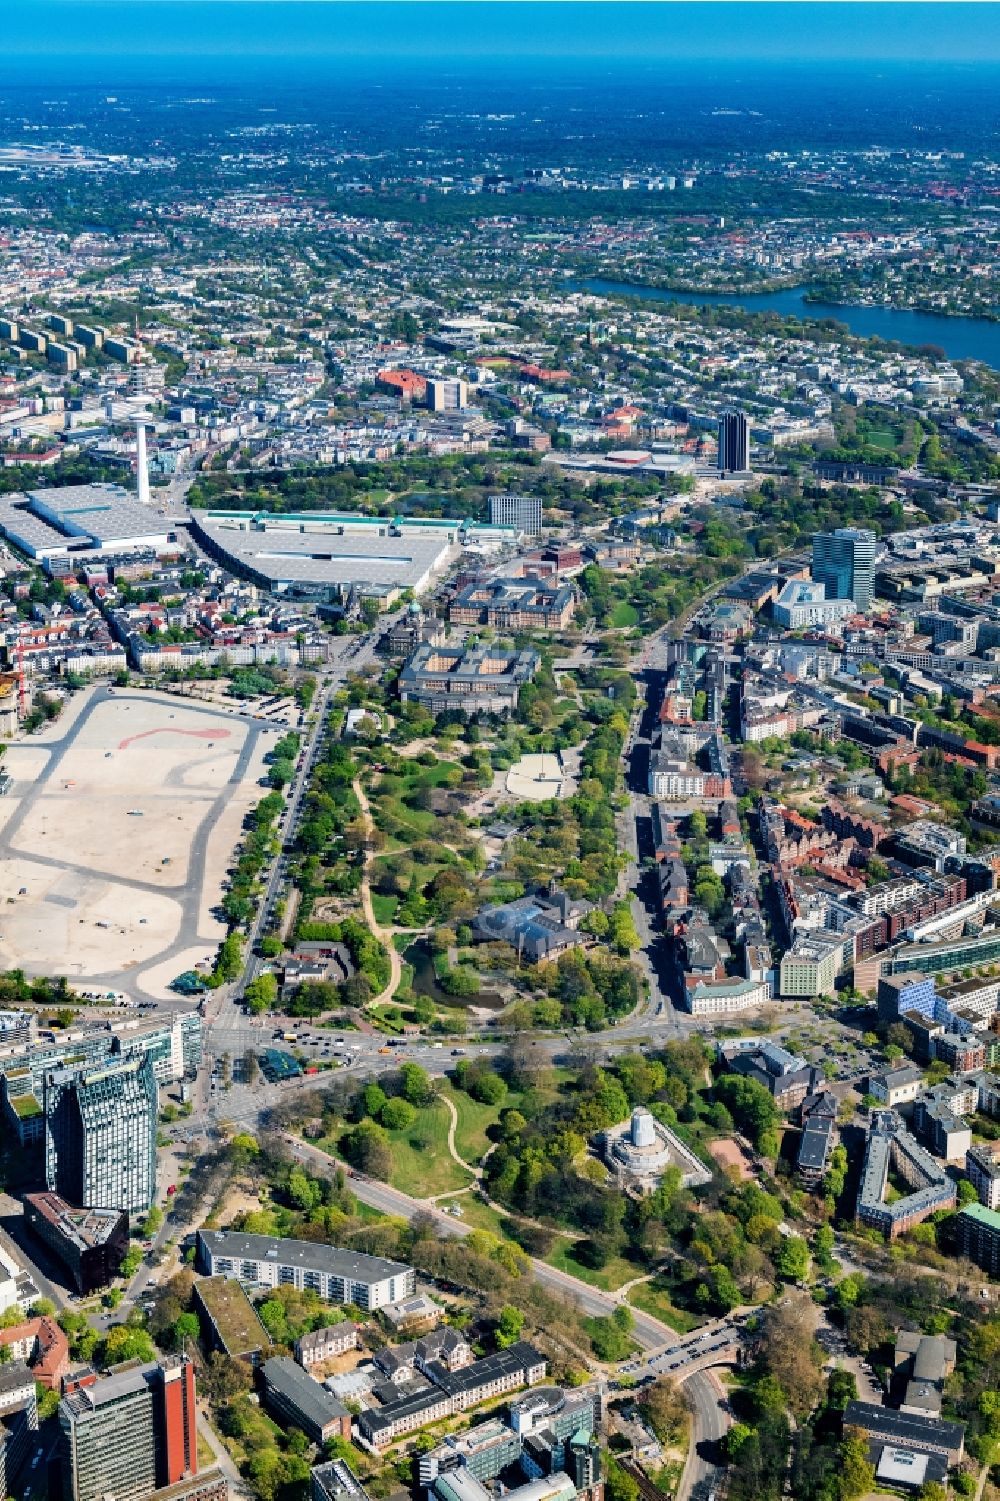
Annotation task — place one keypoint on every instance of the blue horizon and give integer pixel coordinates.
(230, 34)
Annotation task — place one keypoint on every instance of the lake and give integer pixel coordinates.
(961, 338)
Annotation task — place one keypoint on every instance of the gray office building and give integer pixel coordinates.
(844, 563)
(128, 1434)
(522, 511)
(100, 1135)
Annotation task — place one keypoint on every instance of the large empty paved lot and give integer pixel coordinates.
(116, 833)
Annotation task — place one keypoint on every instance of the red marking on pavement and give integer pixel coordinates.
(168, 729)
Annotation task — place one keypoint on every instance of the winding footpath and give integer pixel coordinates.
(385, 936)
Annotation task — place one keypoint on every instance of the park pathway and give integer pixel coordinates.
(385, 936)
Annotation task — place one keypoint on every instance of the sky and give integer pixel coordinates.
(43, 39)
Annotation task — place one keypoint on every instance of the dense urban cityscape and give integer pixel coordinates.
(500, 767)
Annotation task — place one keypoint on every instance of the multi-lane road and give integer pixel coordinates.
(223, 1013)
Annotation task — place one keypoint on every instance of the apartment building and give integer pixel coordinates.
(890, 1146)
(326, 1343)
(982, 1168)
(339, 1276)
(977, 1235)
(292, 1396)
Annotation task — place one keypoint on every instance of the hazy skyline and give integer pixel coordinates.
(42, 36)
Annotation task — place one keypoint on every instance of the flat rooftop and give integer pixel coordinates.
(82, 1228)
(79, 518)
(233, 1314)
(321, 553)
(357, 1266)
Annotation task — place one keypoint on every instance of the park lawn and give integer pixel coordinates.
(206, 1454)
(384, 907)
(480, 1216)
(431, 776)
(474, 1119)
(422, 1171)
(369, 1212)
(426, 873)
(608, 1278)
(477, 1215)
(880, 439)
(654, 1298)
(623, 615)
(421, 1163)
(417, 822)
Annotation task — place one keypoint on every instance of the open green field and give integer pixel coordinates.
(476, 1214)
(623, 615)
(474, 1120)
(609, 1277)
(654, 1298)
(421, 1162)
(384, 908)
(415, 821)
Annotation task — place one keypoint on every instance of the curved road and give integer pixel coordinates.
(649, 1332)
(710, 1422)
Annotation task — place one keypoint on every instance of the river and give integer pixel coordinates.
(961, 338)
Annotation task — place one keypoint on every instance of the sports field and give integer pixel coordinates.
(116, 835)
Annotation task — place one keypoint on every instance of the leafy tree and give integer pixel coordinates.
(619, 1485)
(416, 1084)
(665, 1409)
(750, 1105)
(304, 1192)
(509, 1326)
(127, 1342)
(367, 1148)
(735, 1440)
(274, 1319)
(932, 1490)
(186, 1329)
(131, 1262)
(841, 1388)
(623, 934)
(261, 994)
(397, 1115)
(373, 1100)
(790, 1353)
(152, 1223)
(792, 1259)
